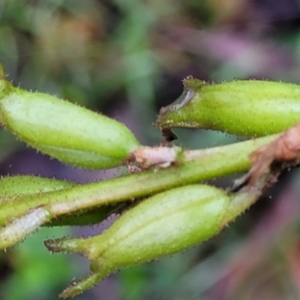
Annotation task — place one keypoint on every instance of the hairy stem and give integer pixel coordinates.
(194, 166)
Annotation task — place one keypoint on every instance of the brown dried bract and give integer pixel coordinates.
(285, 149)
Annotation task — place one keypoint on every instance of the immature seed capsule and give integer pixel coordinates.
(246, 108)
(64, 130)
(163, 224)
(22, 195)
(13, 187)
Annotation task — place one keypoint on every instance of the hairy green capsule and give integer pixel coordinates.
(63, 130)
(14, 187)
(246, 108)
(163, 224)
(25, 205)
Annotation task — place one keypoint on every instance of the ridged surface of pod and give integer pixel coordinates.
(12, 187)
(242, 107)
(63, 130)
(163, 224)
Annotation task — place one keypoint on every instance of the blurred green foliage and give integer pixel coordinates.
(119, 56)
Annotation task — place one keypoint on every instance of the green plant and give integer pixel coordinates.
(173, 210)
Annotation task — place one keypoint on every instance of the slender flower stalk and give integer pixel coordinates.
(92, 203)
(198, 165)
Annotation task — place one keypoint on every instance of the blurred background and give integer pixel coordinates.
(127, 59)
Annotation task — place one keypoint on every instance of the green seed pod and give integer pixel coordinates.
(14, 187)
(22, 195)
(163, 224)
(64, 130)
(246, 108)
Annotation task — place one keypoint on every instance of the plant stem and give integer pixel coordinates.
(194, 166)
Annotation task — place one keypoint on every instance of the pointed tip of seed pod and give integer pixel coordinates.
(169, 116)
(79, 287)
(193, 83)
(83, 247)
(63, 244)
(52, 245)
